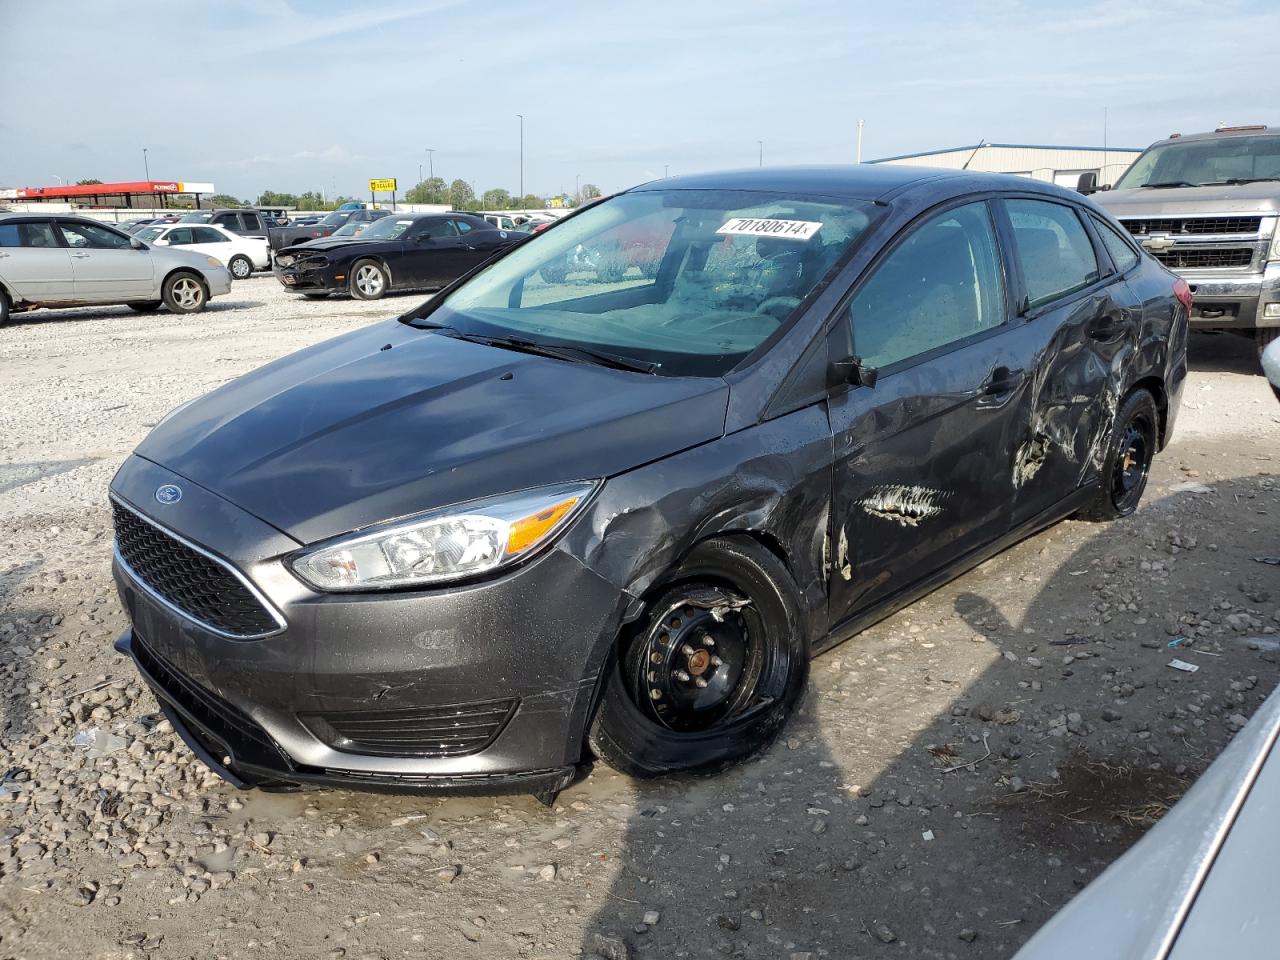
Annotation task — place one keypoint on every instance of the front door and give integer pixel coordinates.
(33, 262)
(434, 254)
(922, 457)
(105, 267)
(1083, 322)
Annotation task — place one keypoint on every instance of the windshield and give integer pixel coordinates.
(338, 216)
(195, 218)
(1198, 163)
(388, 228)
(689, 280)
(150, 233)
(348, 230)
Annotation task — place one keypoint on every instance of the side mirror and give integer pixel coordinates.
(1088, 183)
(137, 244)
(853, 372)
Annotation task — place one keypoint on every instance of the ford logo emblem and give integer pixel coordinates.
(169, 493)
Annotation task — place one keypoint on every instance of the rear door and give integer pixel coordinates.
(923, 456)
(1083, 323)
(34, 264)
(210, 242)
(105, 268)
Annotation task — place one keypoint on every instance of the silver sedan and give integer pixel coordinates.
(49, 260)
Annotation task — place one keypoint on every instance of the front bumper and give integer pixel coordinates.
(271, 709)
(292, 278)
(1235, 302)
(219, 281)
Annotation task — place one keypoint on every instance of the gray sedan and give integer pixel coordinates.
(50, 260)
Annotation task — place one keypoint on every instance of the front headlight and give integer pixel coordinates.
(213, 261)
(451, 543)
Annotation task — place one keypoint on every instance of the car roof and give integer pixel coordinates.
(864, 181)
(1220, 135)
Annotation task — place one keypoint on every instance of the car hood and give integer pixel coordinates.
(322, 244)
(1243, 198)
(390, 420)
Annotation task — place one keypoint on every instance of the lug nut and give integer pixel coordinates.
(655, 694)
(700, 682)
(681, 676)
(687, 650)
(707, 640)
(716, 661)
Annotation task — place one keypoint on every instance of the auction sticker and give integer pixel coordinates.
(783, 229)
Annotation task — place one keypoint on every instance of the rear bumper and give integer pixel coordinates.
(1236, 302)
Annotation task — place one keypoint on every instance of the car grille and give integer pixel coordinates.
(205, 590)
(1193, 259)
(1193, 225)
(448, 731)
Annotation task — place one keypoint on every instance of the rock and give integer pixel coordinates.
(883, 933)
(1110, 715)
(651, 918)
(547, 873)
(967, 935)
(1017, 785)
(610, 947)
(1237, 720)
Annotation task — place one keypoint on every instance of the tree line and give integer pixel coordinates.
(459, 194)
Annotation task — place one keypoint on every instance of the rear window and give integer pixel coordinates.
(1123, 254)
(1053, 249)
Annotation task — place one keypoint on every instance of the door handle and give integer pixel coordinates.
(81, 256)
(1002, 381)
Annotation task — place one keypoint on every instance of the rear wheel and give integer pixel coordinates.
(368, 280)
(4, 308)
(714, 671)
(1128, 461)
(241, 267)
(147, 306)
(184, 293)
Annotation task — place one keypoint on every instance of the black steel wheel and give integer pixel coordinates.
(1127, 465)
(714, 670)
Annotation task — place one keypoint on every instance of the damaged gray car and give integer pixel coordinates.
(556, 515)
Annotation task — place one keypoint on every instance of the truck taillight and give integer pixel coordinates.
(1182, 290)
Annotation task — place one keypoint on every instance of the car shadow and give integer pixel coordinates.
(1223, 353)
(31, 318)
(959, 771)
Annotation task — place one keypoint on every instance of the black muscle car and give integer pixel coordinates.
(409, 252)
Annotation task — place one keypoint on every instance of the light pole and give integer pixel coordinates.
(666, 167)
(146, 166)
(761, 142)
(577, 190)
(859, 141)
(431, 162)
(521, 116)
(61, 182)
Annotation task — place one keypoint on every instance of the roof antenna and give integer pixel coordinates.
(981, 143)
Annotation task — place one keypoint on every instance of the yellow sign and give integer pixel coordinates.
(383, 186)
(556, 202)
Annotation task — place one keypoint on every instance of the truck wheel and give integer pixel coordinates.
(368, 280)
(1128, 462)
(184, 293)
(146, 306)
(240, 266)
(714, 671)
(1265, 336)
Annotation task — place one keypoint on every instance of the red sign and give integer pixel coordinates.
(100, 189)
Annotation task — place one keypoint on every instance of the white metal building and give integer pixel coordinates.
(1061, 165)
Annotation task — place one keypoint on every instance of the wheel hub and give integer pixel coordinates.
(695, 663)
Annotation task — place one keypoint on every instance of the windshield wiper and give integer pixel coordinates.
(1169, 183)
(573, 354)
(1236, 181)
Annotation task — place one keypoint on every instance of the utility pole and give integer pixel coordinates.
(146, 166)
(761, 142)
(859, 141)
(577, 190)
(521, 116)
(419, 173)
(666, 170)
(431, 162)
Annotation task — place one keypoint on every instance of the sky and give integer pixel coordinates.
(294, 95)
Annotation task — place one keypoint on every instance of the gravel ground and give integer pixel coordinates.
(958, 772)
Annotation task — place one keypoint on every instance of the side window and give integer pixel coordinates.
(9, 235)
(206, 235)
(1054, 251)
(180, 236)
(435, 229)
(251, 221)
(93, 236)
(1123, 254)
(37, 235)
(940, 285)
(462, 226)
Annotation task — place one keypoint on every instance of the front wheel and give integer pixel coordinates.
(184, 293)
(241, 267)
(4, 308)
(1127, 465)
(714, 671)
(368, 280)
